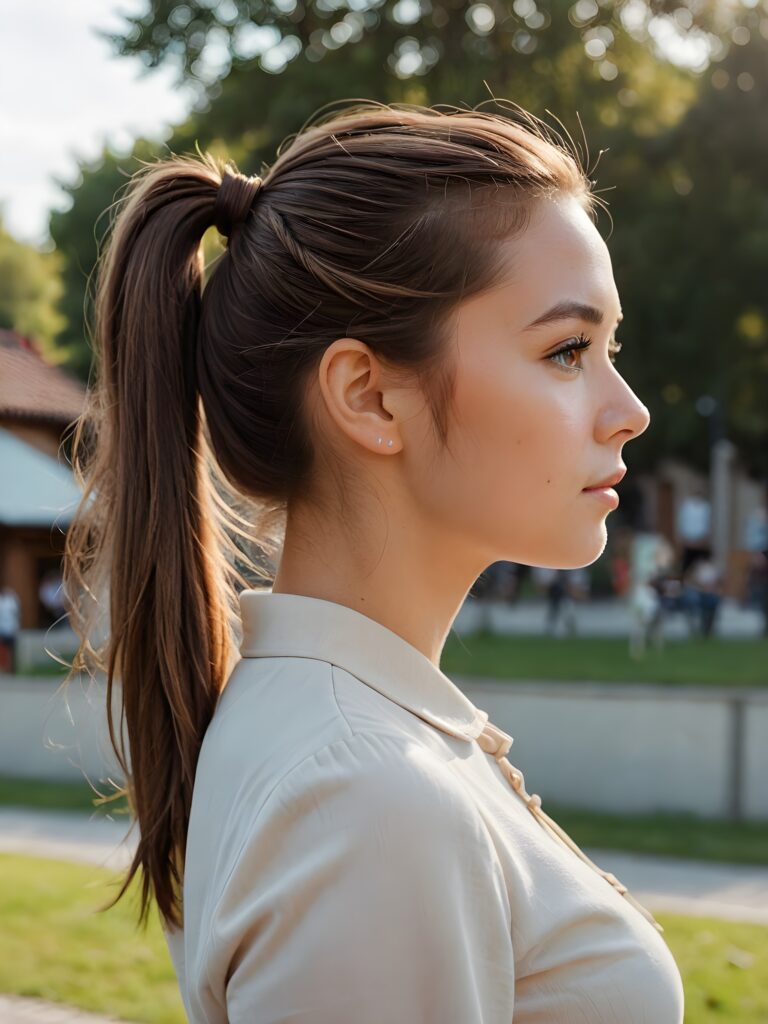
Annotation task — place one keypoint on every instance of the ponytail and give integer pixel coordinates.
(153, 542)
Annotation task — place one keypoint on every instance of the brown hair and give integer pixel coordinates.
(375, 222)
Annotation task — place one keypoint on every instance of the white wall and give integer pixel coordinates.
(49, 731)
(632, 748)
(603, 746)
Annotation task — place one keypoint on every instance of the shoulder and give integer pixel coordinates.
(364, 780)
(363, 799)
(379, 774)
(292, 720)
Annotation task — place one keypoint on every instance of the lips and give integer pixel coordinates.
(609, 481)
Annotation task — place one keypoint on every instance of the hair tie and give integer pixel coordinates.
(234, 199)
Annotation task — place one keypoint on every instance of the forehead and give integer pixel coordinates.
(560, 256)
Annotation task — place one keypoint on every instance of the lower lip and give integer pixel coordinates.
(605, 494)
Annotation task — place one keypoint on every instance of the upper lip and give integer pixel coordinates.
(609, 481)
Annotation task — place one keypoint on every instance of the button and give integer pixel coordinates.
(513, 776)
(494, 741)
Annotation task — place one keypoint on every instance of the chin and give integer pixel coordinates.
(594, 550)
(576, 551)
(580, 552)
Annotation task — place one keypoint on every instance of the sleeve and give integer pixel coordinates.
(367, 891)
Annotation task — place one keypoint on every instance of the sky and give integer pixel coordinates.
(66, 95)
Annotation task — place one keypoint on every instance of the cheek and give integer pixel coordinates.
(519, 466)
(517, 429)
(517, 438)
(510, 485)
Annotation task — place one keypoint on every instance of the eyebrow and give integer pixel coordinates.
(570, 310)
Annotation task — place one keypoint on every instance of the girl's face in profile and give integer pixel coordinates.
(536, 420)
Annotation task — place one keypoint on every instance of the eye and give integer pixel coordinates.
(577, 344)
(580, 344)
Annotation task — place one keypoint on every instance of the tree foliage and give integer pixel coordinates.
(207, 40)
(691, 254)
(30, 291)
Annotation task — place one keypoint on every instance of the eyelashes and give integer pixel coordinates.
(580, 344)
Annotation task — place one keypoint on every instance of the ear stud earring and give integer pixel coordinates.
(389, 443)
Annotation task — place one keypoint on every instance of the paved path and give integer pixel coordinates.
(599, 617)
(67, 835)
(700, 888)
(734, 892)
(21, 1010)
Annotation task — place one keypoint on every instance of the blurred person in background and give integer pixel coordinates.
(508, 578)
(703, 592)
(620, 560)
(755, 543)
(693, 526)
(562, 588)
(651, 556)
(51, 594)
(10, 619)
(761, 590)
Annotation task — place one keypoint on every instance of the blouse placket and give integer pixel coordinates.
(495, 741)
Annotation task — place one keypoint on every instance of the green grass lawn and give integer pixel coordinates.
(55, 796)
(54, 945)
(716, 661)
(667, 834)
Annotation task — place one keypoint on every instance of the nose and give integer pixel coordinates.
(623, 412)
(640, 415)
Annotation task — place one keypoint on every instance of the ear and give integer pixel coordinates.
(359, 396)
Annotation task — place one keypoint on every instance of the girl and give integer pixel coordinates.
(400, 371)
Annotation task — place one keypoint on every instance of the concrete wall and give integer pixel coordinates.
(52, 731)
(634, 748)
(622, 748)
(33, 645)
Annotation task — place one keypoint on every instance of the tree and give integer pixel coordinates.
(690, 254)
(552, 55)
(30, 291)
(80, 233)
(207, 41)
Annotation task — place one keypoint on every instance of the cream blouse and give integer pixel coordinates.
(361, 851)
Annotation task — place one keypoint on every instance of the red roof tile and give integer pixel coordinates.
(31, 387)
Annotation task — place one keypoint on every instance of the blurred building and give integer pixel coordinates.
(38, 492)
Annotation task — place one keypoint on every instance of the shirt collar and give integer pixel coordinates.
(297, 626)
